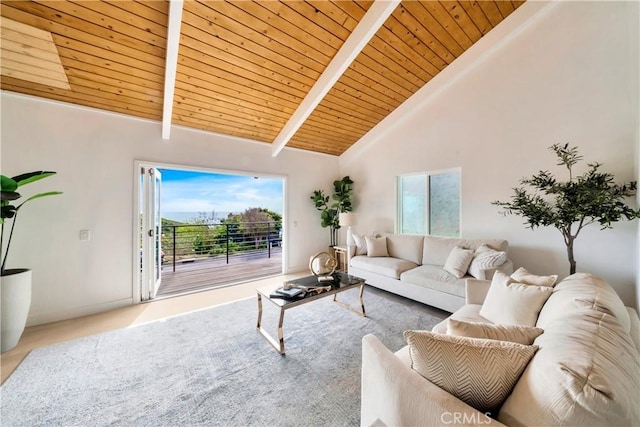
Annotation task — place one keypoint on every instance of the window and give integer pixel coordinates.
(429, 203)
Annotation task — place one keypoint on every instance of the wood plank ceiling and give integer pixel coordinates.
(244, 66)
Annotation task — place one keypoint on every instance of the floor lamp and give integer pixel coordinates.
(347, 219)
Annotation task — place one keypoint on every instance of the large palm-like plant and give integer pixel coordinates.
(9, 207)
(571, 205)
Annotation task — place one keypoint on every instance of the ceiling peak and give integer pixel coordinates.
(364, 31)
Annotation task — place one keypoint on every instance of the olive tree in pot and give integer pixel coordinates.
(15, 283)
(329, 212)
(569, 206)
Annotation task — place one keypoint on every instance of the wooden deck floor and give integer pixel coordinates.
(215, 272)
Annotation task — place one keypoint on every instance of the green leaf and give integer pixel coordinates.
(7, 184)
(30, 177)
(7, 211)
(39, 196)
(9, 195)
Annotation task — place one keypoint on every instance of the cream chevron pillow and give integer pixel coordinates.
(486, 258)
(512, 333)
(479, 372)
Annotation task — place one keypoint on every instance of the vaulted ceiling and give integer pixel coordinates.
(243, 68)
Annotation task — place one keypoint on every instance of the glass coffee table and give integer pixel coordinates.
(341, 282)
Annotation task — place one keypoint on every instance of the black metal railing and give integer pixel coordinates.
(189, 242)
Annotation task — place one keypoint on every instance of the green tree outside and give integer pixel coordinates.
(204, 236)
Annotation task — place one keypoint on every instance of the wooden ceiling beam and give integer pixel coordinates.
(173, 43)
(364, 31)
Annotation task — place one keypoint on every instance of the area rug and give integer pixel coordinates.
(211, 367)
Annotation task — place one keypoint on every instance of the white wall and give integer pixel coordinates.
(94, 153)
(550, 73)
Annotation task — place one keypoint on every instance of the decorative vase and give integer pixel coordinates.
(15, 300)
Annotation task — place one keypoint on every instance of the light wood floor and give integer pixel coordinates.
(52, 333)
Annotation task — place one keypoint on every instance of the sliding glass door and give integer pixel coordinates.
(150, 232)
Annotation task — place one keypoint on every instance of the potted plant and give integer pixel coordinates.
(15, 284)
(571, 205)
(329, 213)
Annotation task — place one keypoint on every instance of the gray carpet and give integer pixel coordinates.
(212, 368)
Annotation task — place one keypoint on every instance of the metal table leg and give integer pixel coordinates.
(279, 344)
(348, 307)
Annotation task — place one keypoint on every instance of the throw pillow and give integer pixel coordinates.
(361, 244)
(511, 303)
(520, 334)
(479, 372)
(521, 275)
(376, 246)
(458, 261)
(486, 258)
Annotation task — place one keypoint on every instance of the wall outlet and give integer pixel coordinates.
(85, 235)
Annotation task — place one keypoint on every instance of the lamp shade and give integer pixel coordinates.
(346, 219)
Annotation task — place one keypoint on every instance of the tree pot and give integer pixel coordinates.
(15, 300)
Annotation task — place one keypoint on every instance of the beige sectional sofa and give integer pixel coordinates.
(414, 268)
(586, 370)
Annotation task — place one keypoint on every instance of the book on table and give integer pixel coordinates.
(290, 293)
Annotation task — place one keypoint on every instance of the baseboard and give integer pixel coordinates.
(55, 316)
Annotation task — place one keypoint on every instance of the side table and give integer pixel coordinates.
(340, 252)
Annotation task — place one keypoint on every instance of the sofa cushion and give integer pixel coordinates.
(486, 258)
(522, 275)
(586, 373)
(437, 249)
(386, 266)
(405, 246)
(376, 246)
(511, 303)
(458, 261)
(459, 366)
(361, 244)
(434, 277)
(520, 334)
(583, 291)
(467, 313)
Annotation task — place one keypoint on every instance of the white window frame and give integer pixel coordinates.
(427, 175)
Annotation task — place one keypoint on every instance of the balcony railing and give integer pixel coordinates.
(190, 242)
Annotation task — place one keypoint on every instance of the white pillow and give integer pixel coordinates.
(511, 303)
(480, 372)
(521, 334)
(486, 258)
(521, 275)
(376, 246)
(458, 261)
(361, 244)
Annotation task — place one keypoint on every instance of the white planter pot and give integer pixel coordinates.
(15, 300)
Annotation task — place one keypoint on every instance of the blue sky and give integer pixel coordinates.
(188, 191)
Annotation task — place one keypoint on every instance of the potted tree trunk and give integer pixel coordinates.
(15, 283)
